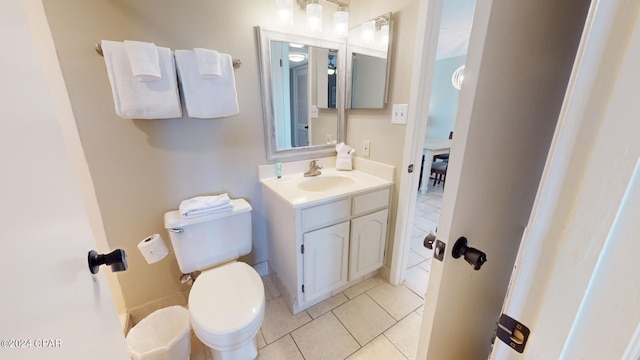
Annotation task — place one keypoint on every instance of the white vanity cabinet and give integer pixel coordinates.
(319, 249)
(325, 260)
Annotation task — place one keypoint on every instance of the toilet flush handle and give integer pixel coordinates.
(176, 230)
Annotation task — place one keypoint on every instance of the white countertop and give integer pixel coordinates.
(287, 187)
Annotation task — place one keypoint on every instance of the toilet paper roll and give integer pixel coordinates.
(153, 248)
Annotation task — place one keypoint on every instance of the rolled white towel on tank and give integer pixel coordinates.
(208, 63)
(205, 205)
(143, 58)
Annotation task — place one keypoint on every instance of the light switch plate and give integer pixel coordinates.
(399, 113)
(314, 111)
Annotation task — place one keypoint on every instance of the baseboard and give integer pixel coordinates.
(125, 322)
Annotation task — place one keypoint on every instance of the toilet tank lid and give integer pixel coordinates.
(173, 219)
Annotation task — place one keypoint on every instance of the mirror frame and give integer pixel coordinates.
(349, 79)
(264, 37)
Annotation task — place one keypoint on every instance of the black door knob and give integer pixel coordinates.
(471, 255)
(117, 259)
(429, 240)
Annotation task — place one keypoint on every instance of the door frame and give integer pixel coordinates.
(424, 60)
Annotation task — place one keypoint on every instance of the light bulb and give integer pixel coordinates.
(314, 17)
(284, 12)
(368, 32)
(457, 77)
(340, 23)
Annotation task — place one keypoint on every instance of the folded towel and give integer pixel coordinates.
(207, 98)
(208, 63)
(205, 205)
(342, 148)
(343, 157)
(136, 99)
(143, 58)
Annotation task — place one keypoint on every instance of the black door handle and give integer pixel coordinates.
(117, 259)
(473, 256)
(429, 240)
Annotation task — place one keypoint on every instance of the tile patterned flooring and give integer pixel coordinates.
(368, 321)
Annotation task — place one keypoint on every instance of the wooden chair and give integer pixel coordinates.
(439, 170)
(443, 156)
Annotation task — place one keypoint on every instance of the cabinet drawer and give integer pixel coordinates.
(371, 201)
(326, 214)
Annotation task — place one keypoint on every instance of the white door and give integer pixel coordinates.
(368, 240)
(325, 256)
(51, 306)
(300, 111)
(517, 69)
(576, 280)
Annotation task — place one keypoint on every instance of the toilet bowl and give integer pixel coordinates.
(227, 308)
(226, 302)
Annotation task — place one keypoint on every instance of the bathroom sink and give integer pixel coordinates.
(324, 183)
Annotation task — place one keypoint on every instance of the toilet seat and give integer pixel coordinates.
(226, 304)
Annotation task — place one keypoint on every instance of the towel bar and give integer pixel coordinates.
(236, 62)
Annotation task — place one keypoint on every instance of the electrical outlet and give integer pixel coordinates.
(399, 113)
(366, 146)
(328, 138)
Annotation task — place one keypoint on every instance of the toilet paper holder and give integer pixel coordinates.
(117, 260)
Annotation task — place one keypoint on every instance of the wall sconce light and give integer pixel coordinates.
(368, 32)
(341, 22)
(284, 12)
(384, 37)
(457, 77)
(314, 16)
(313, 11)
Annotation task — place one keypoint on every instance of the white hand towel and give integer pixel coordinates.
(344, 157)
(143, 58)
(210, 97)
(204, 205)
(208, 63)
(136, 99)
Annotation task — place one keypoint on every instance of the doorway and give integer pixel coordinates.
(452, 40)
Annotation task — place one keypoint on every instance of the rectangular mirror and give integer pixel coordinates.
(303, 86)
(368, 47)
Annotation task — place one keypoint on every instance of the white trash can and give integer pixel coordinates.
(163, 335)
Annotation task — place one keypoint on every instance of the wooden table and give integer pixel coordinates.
(432, 146)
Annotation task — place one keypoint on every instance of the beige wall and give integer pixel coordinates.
(387, 140)
(143, 168)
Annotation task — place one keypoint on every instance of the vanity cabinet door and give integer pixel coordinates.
(325, 259)
(368, 240)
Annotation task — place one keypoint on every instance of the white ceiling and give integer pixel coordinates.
(455, 28)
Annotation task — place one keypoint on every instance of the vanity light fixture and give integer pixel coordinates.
(368, 32)
(314, 16)
(457, 77)
(341, 22)
(384, 31)
(313, 12)
(284, 12)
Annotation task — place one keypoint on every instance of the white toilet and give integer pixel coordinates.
(226, 301)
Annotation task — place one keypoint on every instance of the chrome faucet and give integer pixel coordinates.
(314, 169)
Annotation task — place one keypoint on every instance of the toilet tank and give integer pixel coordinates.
(205, 241)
